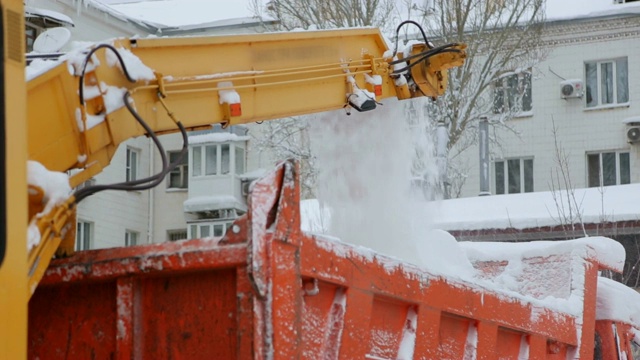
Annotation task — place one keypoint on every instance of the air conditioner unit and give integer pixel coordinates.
(633, 134)
(246, 185)
(572, 89)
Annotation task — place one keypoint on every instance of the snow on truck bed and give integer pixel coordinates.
(546, 274)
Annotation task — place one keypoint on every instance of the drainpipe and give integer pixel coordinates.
(442, 141)
(483, 149)
(151, 195)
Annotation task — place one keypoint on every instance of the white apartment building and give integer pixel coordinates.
(203, 195)
(584, 101)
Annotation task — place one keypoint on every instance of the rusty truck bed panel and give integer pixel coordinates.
(269, 291)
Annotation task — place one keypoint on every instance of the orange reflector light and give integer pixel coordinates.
(235, 109)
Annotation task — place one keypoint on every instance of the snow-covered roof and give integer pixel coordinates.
(184, 15)
(531, 210)
(55, 16)
(568, 9)
(575, 9)
(216, 137)
(209, 203)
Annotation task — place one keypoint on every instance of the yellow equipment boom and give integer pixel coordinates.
(73, 115)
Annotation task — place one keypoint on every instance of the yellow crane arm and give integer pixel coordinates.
(77, 115)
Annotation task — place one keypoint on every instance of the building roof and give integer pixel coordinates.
(577, 9)
(56, 17)
(174, 16)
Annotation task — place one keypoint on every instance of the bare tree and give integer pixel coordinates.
(328, 14)
(289, 138)
(568, 207)
(504, 43)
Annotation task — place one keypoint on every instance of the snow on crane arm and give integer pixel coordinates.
(55, 190)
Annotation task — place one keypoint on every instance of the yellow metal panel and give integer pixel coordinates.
(53, 132)
(13, 271)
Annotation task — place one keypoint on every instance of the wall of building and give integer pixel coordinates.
(167, 213)
(114, 212)
(579, 130)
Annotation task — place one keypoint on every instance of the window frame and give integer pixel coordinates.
(182, 169)
(618, 169)
(523, 88)
(129, 235)
(211, 227)
(226, 161)
(506, 175)
(31, 34)
(132, 174)
(84, 229)
(598, 79)
(172, 235)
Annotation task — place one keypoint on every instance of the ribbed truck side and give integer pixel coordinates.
(267, 290)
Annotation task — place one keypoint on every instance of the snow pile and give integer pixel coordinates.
(548, 273)
(608, 252)
(56, 189)
(617, 302)
(227, 96)
(38, 67)
(77, 56)
(136, 69)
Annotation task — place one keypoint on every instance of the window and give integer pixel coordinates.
(514, 176)
(216, 160)
(239, 160)
(175, 235)
(131, 238)
(607, 82)
(179, 177)
(211, 160)
(608, 168)
(132, 164)
(204, 230)
(512, 93)
(84, 230)
(30, 32)
(225, 164)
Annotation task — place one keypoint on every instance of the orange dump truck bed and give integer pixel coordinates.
(269, 291)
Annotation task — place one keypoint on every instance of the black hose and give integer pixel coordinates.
(145, 183)
(430, 52)
(86, 61)
(423, 58)
(424, 36)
